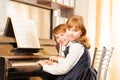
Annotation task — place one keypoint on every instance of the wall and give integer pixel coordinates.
(15, 9)
(81, 8)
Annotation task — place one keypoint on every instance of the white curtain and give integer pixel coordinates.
(103, 28)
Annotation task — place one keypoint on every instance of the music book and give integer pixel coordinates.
(24, 31)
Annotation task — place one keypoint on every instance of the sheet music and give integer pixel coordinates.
(25, 33)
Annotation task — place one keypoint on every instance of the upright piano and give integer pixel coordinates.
(20, 63)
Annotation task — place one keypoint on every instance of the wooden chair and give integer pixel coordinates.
(101, 60)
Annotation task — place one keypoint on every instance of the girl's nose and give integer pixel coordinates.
(71, 34)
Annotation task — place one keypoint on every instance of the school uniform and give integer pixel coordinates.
(82, 70)
(76, 65)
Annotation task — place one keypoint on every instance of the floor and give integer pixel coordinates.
(35, 78)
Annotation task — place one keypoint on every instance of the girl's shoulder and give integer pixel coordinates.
(76, 44)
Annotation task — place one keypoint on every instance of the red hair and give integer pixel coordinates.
(78, 23)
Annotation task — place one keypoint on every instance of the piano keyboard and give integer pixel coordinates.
(24, 64)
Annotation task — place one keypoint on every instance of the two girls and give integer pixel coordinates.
(75, 64)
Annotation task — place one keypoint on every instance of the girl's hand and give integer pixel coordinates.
(53, 58)
(48, 62)
(43, 62)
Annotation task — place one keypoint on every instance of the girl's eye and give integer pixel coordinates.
(57, 37)
(75, 30)
(69, 29)
(62, 34)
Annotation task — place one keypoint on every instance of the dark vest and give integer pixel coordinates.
(82, 70)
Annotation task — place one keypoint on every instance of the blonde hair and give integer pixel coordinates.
(78, 22)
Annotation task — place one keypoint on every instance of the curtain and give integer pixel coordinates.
(103, 28)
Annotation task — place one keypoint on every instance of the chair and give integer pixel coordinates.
(101, 60)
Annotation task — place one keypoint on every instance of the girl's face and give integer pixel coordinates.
(62, 38)
(73, 34)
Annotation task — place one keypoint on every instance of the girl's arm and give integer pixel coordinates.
(65, 65)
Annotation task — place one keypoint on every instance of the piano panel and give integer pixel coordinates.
(2, 69)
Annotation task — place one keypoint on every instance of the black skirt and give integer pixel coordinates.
(87, 74)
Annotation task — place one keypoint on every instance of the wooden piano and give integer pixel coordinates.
(15, 64)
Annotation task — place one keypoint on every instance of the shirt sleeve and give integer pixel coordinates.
(64, 65)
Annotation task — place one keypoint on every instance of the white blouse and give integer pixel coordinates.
(64, 65)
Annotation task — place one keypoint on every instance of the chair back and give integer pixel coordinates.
(101, 60)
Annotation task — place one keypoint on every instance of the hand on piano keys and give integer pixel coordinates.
(43, 62)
